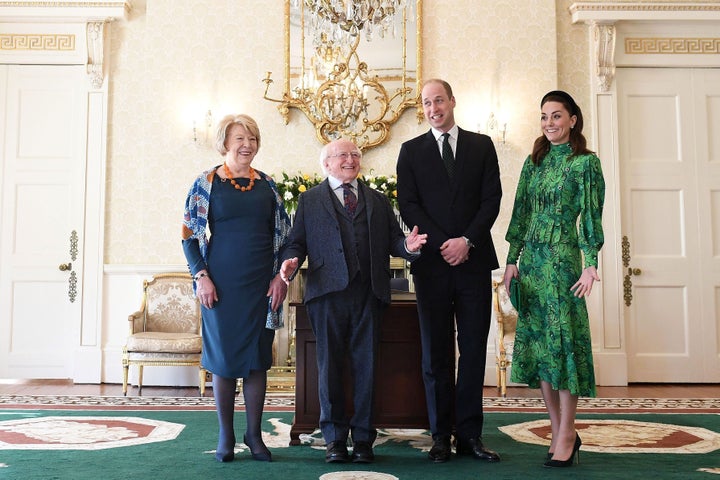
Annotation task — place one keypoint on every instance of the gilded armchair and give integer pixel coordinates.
(506, 318)
(166, 331)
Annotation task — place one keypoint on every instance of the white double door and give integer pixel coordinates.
(43, 135)
(669, 146)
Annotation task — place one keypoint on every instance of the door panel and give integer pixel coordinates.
(43, 191)
(707, 140)
(663, 172)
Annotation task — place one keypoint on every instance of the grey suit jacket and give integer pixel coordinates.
(315, 234)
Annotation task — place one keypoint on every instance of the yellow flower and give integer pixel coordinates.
(302, 188)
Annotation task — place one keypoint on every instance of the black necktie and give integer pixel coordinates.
(350, 199)
(447, 155)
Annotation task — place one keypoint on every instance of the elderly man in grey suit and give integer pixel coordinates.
(347, 231)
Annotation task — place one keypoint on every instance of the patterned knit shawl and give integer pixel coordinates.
(195, 222)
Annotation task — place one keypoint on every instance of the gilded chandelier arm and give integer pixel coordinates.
(336, 90)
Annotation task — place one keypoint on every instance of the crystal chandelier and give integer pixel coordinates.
(335, 17)
(334, 88)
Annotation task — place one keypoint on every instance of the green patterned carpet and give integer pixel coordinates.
(161, 443)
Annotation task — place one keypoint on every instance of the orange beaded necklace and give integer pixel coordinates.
(234, 183)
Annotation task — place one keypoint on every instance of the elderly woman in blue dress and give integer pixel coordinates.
(236, 276)
(556, 224)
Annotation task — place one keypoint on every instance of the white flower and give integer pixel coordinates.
(288, 195)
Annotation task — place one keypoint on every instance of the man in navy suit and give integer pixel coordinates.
(347, 231)
(449, 186)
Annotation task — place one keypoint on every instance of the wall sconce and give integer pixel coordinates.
(496, 129)
(202, 129)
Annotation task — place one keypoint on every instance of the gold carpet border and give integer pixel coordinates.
(285, 402)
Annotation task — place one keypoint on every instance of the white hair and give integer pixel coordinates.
(324, 153)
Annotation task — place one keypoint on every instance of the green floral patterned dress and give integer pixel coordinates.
(557, 215)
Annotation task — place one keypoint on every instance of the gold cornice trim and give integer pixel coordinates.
(644, 7)
(26, 4)
(673, 46)
(38, 41)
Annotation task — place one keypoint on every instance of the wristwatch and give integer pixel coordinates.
(468, 242)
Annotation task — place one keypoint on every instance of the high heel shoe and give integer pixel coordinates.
(263, 455)
(226, 456)
(567, 463)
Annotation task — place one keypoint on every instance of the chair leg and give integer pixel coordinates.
(202, 381)
(140, 378)
(503, 375)
(126, 369)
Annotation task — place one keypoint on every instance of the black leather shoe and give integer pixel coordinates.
(336, 452)
(362, 452)
(440, 451)
(475, 447)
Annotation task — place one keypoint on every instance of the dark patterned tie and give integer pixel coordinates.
(447, 155)
(350, 199)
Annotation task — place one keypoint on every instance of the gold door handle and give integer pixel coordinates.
(64, 267)
(627, 282)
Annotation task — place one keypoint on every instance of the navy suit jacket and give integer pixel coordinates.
(315, 234)
(466, 206)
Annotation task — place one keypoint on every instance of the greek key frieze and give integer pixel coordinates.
(672, 46)
(54, 42)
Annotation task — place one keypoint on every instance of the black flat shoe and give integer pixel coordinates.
(440, 451)
(575, 455)
(362, 452)
(262, 455)
(475, 447)
(336, 452)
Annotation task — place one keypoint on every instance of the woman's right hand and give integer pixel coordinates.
(511, 271)
(206, 292)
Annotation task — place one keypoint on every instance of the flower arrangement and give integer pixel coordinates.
(291, 186)
(385, 184)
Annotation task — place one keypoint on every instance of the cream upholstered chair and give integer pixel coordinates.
(506, 318)
(166, 331)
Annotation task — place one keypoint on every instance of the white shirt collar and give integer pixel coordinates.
(453, 132)
(335, 183)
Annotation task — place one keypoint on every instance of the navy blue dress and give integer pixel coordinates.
(240, 264)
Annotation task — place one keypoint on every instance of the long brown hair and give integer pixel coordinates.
(578, 143)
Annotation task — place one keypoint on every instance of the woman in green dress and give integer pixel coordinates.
(556, 225)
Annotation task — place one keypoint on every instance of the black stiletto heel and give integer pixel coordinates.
(573, 456)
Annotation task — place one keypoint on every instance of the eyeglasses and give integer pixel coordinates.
(346, 155)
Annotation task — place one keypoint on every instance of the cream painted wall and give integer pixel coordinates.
(176, 56)
(174, 59)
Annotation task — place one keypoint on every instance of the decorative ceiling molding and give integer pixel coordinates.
(59, 32)
(611, 12)
(35, 11)
(602, 17)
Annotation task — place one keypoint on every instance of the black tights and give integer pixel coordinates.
(254, 387)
